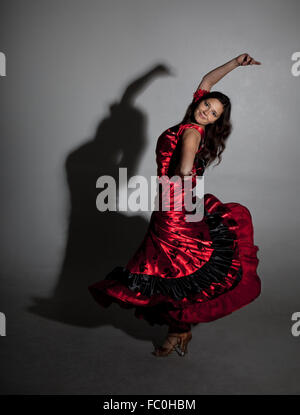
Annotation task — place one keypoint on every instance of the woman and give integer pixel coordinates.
(186, 272)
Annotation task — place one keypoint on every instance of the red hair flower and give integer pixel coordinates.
(199, 93)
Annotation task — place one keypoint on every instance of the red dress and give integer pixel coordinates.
(187, 272)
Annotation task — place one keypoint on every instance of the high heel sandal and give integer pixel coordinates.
(180, 347)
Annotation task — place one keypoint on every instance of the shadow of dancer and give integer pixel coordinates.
(99, 241)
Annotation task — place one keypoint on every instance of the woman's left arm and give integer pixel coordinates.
(212, 77)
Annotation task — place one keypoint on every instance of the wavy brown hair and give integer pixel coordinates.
(216, 134)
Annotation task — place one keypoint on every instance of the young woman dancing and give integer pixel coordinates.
(188, 272)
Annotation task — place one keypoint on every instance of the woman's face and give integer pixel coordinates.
(208, 111)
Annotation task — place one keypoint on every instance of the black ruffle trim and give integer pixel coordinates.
(215, 270)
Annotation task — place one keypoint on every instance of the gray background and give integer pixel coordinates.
(65, 121)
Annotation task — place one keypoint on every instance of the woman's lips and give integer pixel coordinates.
(202, 116)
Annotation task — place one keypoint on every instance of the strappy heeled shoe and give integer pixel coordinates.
(180, 346)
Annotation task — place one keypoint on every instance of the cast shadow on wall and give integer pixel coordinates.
(98, 241)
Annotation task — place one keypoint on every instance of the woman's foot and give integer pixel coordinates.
(174, 341)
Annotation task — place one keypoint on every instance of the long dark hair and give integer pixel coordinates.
(217, 133)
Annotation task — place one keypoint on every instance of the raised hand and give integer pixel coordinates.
(245, 60)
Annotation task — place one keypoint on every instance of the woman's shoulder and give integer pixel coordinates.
(185, 126)
(175, 132)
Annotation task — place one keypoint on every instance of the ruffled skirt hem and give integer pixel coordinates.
(195, 307)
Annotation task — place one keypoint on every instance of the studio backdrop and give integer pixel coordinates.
(87, 87)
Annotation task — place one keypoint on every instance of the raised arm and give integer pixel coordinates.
(212, 77)
(190, 144)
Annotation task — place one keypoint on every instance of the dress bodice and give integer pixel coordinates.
(169, 146)
(169, 143)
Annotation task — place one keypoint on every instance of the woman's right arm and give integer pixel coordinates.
(212, 77)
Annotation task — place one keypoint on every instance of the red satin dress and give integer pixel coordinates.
(184, 273)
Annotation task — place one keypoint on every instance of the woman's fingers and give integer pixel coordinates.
(245, 59)
(256, 62)
(248, 60)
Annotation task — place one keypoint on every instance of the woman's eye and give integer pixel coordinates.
(214, 114)
(206, 104)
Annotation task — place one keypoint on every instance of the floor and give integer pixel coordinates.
(55, 347)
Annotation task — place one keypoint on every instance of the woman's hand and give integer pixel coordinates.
(245, 59)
